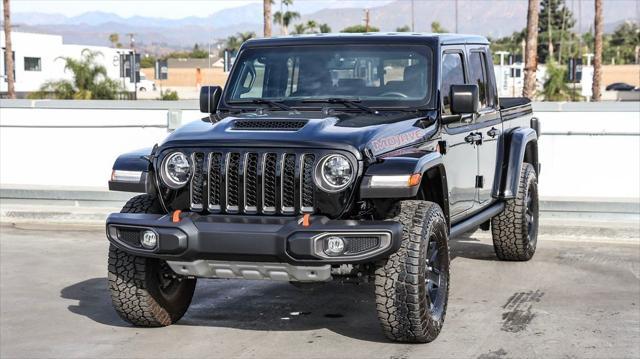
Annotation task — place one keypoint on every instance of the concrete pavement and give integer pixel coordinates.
(573, 300)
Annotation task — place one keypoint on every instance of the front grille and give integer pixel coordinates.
(129, 236)
(253, 182)
(361, 244)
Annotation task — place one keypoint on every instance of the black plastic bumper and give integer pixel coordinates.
(248, 238)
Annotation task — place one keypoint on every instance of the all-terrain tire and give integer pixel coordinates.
(515, 230)
(144, 291)
(405, 310)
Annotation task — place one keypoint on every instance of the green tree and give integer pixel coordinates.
(436, 27)
(233, 42)
(114, 39)
(311, 27)
(624, 41)
(198, 53)
(554, 29)
(555, 87)
(90, 81)
(148, 61)
(405, 28)
(511, 43)
(284, 17)
(359, 29)
(324, 28)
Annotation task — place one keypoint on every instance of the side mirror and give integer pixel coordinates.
(209, 98)
(464, 99)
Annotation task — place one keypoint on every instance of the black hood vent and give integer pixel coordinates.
(268, 125)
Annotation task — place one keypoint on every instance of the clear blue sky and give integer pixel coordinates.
(167, 8)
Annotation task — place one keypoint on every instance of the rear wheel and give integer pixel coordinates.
(145, 291)
(515, 230)
(412, 286)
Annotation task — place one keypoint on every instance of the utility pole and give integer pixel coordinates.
(132, 44)
(8, 51)
(456, 12)
(413, 29)
(549, 32)
(366, 20)
(597, 46)
(266, 13)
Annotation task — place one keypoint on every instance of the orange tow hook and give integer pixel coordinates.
(175, 217)
(306, 220)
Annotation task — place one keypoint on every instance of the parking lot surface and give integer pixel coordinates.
(575, 299)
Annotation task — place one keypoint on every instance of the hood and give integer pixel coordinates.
(353, 132)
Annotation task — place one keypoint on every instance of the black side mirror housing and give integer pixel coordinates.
(464, 99)
(209, 98)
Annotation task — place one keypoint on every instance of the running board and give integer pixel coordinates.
(476, 220)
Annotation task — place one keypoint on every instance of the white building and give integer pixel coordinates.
(38, 59)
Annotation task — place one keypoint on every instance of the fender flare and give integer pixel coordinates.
(398, 166)
(517, 145)
(132, 163)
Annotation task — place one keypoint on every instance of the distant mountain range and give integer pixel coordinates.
(493, 18)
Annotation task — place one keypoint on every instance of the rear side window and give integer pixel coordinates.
(452, 74)
(479, 75)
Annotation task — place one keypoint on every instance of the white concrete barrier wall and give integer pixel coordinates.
(588, 151)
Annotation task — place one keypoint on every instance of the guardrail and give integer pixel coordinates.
(586, 149)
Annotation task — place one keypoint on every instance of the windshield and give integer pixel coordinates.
(378, 75)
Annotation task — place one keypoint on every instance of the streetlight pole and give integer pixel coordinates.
(412, 17)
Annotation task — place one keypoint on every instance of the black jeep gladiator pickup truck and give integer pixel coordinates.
(328, 157)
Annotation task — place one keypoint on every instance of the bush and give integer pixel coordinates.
(168, 95)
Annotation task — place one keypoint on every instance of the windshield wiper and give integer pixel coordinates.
(343, 101)
(261, 101)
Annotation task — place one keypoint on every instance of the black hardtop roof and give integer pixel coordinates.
(368, 38)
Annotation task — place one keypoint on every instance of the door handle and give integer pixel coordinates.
(493, 132)
(474, 138)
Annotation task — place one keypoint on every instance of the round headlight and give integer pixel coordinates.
(176, 170)
(336, 173)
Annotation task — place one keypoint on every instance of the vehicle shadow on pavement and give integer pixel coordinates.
(467, 246)
(345, 308)
(94, 301)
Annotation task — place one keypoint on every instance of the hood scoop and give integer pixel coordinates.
(268, 125)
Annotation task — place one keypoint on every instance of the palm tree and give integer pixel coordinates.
(114, 39)
(8, 50)
(324, 28)
(266, 11)
(597, 59)
(90, 80)
(531, 51)
(285, 19)
(437, 28)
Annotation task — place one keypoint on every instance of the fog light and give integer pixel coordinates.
(334, 246)
(149, 239)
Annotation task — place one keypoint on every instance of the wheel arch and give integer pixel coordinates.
(521, 147)
(432, 187)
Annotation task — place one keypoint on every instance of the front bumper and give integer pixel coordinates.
(252, 239)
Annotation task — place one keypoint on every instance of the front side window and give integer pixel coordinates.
(379, 75)
(452, 74)
(32, 64)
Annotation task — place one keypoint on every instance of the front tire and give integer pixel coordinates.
(145, 291)
(412, 285)
(515, 230)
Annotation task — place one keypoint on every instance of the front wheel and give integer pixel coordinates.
(145, 291)
(412, 285)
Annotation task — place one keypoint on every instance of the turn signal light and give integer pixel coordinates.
(414, 179)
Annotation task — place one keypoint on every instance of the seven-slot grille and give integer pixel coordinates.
(252, 182)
